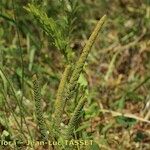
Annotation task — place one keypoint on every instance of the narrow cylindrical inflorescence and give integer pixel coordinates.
(74, 119)
(59, 102)
(80, 63)
(38, 109)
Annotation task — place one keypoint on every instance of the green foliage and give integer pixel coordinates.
(140, 136)
(57, 30)
(94, 146)
(53, 29)
(127, 122)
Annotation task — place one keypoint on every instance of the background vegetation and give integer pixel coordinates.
(115, 77)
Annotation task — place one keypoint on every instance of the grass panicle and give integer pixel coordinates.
(38, 109)
(74, 119)
(80, 63)
(58, 102)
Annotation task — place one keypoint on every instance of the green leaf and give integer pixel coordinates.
(94, 146)
(134, 96)
(139, 136)
(1, 32)
(82, 80)
(121, 103)
(31, 58)
(92, 111)
(127, 122)
(82, 127)
(5, 135)
(106, 128)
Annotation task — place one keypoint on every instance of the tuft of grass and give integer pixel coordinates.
(65, 91)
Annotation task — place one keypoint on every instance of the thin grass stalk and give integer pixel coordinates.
(13, 114)
(16, 98)
(22, 62)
